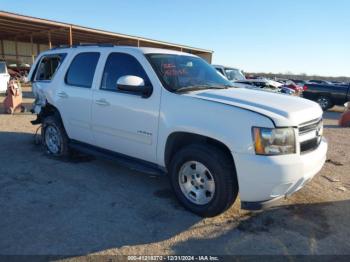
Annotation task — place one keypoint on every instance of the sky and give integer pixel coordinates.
(279, 36)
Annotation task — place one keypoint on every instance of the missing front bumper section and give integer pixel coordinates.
(260, 205)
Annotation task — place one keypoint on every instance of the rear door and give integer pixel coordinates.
(73, 96)
(123, 122)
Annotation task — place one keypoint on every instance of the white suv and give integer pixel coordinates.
(171, 112)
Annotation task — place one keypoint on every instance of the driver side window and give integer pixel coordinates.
(118, 65)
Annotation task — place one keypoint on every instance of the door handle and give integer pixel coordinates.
(102, 102)
(62, 94)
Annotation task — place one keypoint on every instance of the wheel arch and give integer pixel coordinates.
(179, 139)
(51, 110)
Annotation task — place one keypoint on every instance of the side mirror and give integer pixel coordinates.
(134, 84)
(347, 105)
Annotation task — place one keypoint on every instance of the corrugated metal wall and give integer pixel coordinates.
(24, 55)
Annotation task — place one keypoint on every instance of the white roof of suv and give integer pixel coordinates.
(144, 50)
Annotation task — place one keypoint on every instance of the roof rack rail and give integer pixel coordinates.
(60, 47)
(83, 45)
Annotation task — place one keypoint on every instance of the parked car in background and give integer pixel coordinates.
(237, 77)
(261, 83)
(266, 85)
(231, 73)
(19, 72)
(281, 80)
(290, 84)
(171, 112)
(320, 82)
(299, 82)
(327, 95)
(4, 77)
(339, 83)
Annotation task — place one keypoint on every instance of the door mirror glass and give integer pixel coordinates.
(133, 84)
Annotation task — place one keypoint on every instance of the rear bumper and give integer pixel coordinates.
(263, 180)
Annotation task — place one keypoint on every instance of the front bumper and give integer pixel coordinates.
(265, 179)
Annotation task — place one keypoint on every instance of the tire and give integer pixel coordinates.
(324, 102)
(54, 137)
(220, 171)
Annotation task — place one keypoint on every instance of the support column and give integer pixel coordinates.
(2, 49)
(32, 47)
(70, 36)
(16, 52)
(138, 43)
(49, 37)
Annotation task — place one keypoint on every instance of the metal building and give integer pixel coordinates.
(22, 38)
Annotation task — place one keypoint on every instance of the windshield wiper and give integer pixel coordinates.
(199, 87)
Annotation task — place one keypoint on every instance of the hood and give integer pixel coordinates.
(284, 110)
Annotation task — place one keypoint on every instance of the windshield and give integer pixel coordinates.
(3, 68)
(185, 73)
(234, 74)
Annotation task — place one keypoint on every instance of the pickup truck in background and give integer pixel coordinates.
(327, 95)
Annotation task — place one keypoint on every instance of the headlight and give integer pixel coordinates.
(274, 141)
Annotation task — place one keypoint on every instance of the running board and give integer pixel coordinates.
(126, 161)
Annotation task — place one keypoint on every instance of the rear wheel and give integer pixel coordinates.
(325, 102)
(204, 179)
(54, 137)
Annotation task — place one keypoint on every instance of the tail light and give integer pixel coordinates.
(305, 87)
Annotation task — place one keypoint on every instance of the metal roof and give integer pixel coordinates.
(22, 28)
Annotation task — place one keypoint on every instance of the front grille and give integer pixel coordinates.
(309, 145)
(312, 143)
(309, 126)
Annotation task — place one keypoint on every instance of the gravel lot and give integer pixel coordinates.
(91, 206)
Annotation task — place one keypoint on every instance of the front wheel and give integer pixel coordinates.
(203, 179)
(324, 102)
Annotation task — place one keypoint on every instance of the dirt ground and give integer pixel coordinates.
(92, 206)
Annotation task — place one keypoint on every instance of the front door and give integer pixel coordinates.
(124, 122)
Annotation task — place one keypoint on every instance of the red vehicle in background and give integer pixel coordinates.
(294, 86)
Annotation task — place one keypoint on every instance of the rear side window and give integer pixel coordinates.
(82, 70)
(48, 67)
(118, 65)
